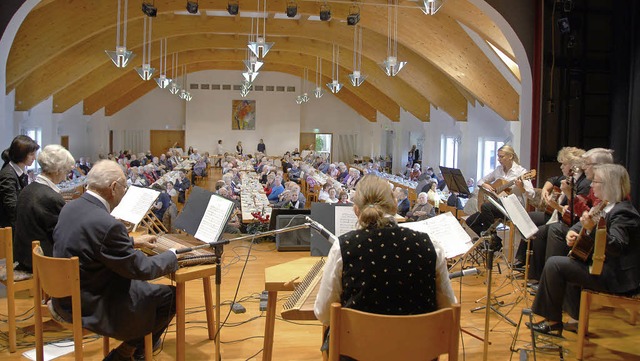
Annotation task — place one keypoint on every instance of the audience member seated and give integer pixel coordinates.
(454, 201)
(39, 205)
(343, 173)
(401, 195)
(200, 168)
(181, 185)
(343, 198)
(294, 172)
(332, 196)
(276, 189)
(422, 210)
(162, 202)
(432, 195)
(415, 172)
(352, 179)
(324, 192)
(424, 183)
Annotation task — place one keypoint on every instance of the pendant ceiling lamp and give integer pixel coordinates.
(319, 92)
(174, 87)
(304, 96)
(357, 78)
(391, 65)
(121, 56)
(335, 84)
(430, 7)
(145, 70)
(260, 47)
(162, 79)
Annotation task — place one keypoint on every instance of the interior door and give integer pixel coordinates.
(162, 140)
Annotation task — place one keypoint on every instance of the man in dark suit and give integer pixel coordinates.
(403, 201)
(116, 299)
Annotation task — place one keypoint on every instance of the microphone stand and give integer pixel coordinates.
(218, 249)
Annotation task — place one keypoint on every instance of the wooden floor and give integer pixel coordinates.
(612, 337)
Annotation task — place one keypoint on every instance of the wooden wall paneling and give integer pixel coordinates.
(161, 140)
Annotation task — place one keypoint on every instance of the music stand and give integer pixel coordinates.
(455, 181)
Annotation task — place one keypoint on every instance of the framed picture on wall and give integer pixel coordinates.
(243, 114)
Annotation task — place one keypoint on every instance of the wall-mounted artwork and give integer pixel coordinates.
(243, 115)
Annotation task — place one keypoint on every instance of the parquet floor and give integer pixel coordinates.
(612, 337)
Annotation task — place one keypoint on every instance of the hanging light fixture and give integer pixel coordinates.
(391, 65)
(162, 79)
(246, 88)
(184, 93)
(357, 78)
(430, 7)
(145, 70)
(260, 47)
(335, 84)
(121, 55)
(252, 63)
(304, 96)
(174, 88)
(318, 91)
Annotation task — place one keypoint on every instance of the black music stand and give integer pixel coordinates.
(456, 183)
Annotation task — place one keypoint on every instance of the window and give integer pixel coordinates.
(488, 155)
(35, 134)
(449, 151)
(323, 145)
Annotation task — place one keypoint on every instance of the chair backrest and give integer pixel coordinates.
(6, 248)
(58, 278)
(367, 336)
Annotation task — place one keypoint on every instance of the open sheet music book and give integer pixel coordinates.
(514, 210)
(205, 215)
(446, 231)
(135, 204)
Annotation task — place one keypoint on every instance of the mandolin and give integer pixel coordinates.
(502, 187)
(585, 242)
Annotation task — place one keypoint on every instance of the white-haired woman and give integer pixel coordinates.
(39, 205)
(563, 277)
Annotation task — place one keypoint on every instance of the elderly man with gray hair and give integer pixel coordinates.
(117, 300)
(39, 205)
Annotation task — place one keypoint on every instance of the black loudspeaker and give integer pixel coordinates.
(353, 19)
(325, 14)
(298, 240)
(233, 8)
(292, 10)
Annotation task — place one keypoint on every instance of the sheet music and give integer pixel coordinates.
(135, 204)
(446, 231)
(345, 220)
(214, 219)
(519, 216)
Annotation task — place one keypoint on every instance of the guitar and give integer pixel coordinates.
(585, 243)
(502, 187)
(555, 195)
(565, 215)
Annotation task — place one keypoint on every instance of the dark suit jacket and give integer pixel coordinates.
(39, 207)
(10, 187)
(116, 299)
(622, 262)
(403, 207)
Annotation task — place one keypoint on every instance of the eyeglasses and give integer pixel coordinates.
(125, 185)
(597, 182)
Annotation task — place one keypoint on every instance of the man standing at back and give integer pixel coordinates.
(116, 299)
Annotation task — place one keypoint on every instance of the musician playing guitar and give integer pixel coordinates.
(563, 277)
(558, 191)
(509, 170)
(553, 242)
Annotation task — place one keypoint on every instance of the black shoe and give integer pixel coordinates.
(546, 328)
(115, 356)
(518, 264)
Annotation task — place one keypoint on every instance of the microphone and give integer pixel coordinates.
(320, 229)
(465, 272)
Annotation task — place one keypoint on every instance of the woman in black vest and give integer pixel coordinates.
(13, 176)
(380, 267)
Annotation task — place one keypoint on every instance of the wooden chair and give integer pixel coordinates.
(588, 298)
(367, 336)
(60, 277)
(14, 282)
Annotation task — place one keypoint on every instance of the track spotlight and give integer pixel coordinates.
(149, 9)
(292, 9)
(192, 7)
(325, 12)
(233, 7)
(354, 15)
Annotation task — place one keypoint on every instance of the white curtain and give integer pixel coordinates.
(346, 148)
(129, 139)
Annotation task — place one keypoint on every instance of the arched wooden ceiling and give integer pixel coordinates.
(59, 51)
